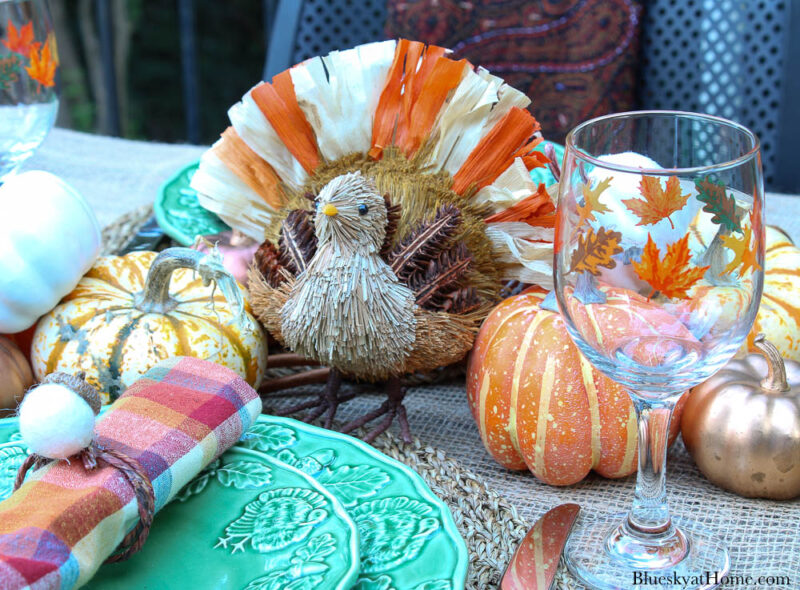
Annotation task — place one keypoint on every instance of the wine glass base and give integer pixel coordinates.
(687, 560)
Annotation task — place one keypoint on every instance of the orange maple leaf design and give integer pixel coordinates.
(595, 250)
(672, 276)
(743, 255)
(19, 41)
(591, 201)
(658, 203)
(43, 67)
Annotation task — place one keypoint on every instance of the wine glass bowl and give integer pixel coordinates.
(658, 274)
(28, 81)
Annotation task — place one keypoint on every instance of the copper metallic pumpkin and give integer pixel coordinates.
(15, 376)
(538, 402)
(130, 312)
(742, 426)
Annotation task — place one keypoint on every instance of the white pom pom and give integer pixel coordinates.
(55, 421)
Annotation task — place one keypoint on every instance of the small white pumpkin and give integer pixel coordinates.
(49, 237)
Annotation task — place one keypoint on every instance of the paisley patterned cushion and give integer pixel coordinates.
(575, 58)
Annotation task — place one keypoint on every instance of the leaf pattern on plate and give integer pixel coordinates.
(277, 519)
(268, 437)
(11, 459)
(199, 483)
(385, 583)
(392, 531)
(349, 484)
(244, 475)
(312, 464)
(306, 570)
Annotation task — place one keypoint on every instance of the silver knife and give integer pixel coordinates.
(535, 562)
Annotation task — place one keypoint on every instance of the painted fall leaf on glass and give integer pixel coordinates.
(658, 203)
(672, 276)
(595, 250)
(744, 256)
(591, 201)
(43, 66)
(19, 41)
(721, 205)
(42, 57)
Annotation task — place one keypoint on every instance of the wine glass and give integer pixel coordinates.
(658, 274)
(28, 66)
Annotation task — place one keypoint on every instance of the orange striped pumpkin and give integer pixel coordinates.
(540, 405)
(779, 313)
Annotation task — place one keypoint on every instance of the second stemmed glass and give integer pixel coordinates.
(658, 273)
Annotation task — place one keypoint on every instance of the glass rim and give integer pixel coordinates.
(570, 145)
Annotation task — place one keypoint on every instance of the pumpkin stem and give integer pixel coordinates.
(775, 381)
(155, 297)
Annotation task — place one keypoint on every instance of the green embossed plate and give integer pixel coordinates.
(246, 522)
(408, 538)
(179, 212)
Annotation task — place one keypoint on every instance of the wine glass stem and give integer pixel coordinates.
(649, 514)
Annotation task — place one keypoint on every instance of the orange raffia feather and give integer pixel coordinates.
(407, 107)
(536, 210)
(278, 103)
(250, 167)
(672, 276)
(444, 77)
(508, 139)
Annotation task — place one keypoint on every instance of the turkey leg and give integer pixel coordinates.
(393, 406)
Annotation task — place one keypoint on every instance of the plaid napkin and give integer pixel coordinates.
(61, 525)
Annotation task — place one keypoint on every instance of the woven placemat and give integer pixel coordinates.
(489, 525)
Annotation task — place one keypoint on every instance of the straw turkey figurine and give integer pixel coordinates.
(390, 186)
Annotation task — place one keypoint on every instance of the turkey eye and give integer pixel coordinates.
(363, 209)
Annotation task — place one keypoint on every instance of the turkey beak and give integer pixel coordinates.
(329, 210)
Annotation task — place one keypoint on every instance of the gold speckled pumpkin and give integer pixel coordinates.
(130, 312)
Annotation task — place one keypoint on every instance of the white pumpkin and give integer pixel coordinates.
(49, 237)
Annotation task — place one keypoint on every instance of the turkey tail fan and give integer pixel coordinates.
(429, 130)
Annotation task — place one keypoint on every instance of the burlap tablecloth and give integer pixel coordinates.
(763, 537)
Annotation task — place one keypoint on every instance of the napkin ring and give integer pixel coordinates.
(130, 468)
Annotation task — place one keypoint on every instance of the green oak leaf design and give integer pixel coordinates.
(11, 459)
(298, 577)
(722, 205)
(199, 483)
(349, 484)
(316, 549)
(244, 475)
(379, 583)
(385, 583)
(268, 437)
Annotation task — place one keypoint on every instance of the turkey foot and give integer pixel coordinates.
(393, 406)
(327, 402)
